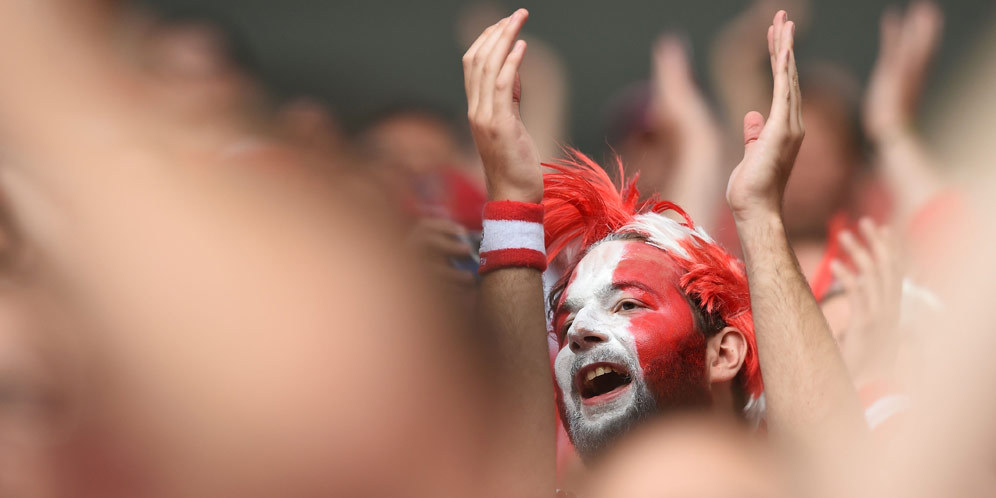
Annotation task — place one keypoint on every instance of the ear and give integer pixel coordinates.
(725, 354)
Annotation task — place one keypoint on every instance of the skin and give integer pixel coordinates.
(907, 45)
(688, 453)
(682, 112)
(680, 156)
(624, 306)
(174, 261)
(513, 297)
(873, 288)
(797, 352)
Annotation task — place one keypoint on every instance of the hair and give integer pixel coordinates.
(584, 208)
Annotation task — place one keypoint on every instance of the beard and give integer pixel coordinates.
(590, 439)
(673, 381)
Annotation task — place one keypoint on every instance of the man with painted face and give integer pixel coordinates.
(651, 314)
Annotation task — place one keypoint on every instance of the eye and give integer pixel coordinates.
(628, 305)
(565, 328)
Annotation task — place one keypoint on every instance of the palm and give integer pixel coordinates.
(907, 45)
(509, 155)
(759, 180)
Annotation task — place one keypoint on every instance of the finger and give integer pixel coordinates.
(771, 42)
(886, 253)
(499, 54)
(874, 241)
(795, 94)
(845, 277)
(446, 245)
(924, 24)
(781, 92)
(859, 255)
(469, 83)
(778, 22)
(671, 65)
(491, 62)
(880, 254)
(503, 42)
(480, 59)
(468, 56)
(890, 28)
(855, 293)
(507, 81)
(753, 124)
(441, 225)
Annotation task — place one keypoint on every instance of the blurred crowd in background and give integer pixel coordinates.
(208, 291)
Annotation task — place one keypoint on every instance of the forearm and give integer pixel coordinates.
(697, 183)
(513, 304)
(908, 172)
(809, 396)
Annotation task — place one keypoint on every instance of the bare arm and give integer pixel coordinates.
(908, 42)
(682, 113)
(810, 400)
(513, 297)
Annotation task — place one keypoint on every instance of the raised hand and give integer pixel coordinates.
(907, 44)
(438, 241)
(510, 157)
(757, 185)
(695, 172)
(874, 289)
(679, 106)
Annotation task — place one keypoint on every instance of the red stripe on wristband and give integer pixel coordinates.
(513, 210)
(507, 258)
(513, 236)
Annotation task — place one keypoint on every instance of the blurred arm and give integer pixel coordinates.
(908, 42)
(683, 115)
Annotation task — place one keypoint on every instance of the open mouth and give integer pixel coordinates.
(602, 381)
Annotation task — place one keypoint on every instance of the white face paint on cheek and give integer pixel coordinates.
(593, 277)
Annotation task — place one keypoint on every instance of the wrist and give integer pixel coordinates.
(758, 214)
(513, 236)
(758, 224)
(529, 196)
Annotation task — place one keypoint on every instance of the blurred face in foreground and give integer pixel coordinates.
(688, 458)
(630, 345)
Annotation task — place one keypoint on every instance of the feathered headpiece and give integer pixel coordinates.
(584, 207)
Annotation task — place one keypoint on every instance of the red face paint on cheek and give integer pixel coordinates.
(671, 349)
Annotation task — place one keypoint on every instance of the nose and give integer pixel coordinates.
(582, 338)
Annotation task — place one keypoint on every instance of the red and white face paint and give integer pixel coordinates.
(629, 343)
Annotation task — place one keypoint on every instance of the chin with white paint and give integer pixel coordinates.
(629, 344)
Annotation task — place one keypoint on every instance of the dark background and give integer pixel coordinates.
(360, 56)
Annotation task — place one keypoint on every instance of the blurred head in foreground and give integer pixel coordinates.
(688, 456)
(653, 315)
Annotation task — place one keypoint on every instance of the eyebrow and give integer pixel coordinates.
(633, 283)
(573, 304)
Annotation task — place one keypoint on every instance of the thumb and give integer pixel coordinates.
(753, 124)
(517, 90)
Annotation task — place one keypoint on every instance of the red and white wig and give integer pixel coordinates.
(584, 208)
